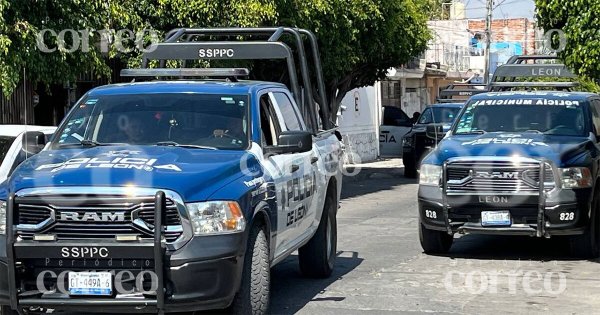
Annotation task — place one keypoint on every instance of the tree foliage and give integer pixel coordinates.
(579, 21)
(359, 39)
(437, 9)
(22, 21)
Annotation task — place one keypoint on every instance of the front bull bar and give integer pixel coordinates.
(542, 195)
(160, 204)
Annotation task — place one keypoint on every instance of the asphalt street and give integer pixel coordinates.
(381, 268)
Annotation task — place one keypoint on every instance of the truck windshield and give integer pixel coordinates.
(434, 115)
(203, 121)
(5, 143)
(551, 117)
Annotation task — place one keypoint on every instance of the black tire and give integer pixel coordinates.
(434, 242)
(317, 257)
(410, 167)
(6, 310)
(253, 298)
(587, 245)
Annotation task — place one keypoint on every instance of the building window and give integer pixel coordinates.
(397, 90)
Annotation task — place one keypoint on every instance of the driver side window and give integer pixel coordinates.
(269, 126)
(595, 107)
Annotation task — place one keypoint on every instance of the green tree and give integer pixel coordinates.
(359, 39)
(581, 26)
(22, 21)
(437, 9)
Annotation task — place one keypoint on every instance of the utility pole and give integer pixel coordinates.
(488, 40)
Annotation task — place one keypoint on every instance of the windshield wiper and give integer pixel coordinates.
(472, 132)
(175, 144)
(93, 143)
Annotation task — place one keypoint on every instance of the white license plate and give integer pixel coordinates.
(495, 218)
(90, 283)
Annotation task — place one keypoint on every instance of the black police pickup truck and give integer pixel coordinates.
(516, 163)
(416, 143)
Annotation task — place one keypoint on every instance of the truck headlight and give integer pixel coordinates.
(575, 177)
(430, 175)
(216, 217)
(2, 217)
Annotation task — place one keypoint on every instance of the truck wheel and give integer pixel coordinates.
(317, 257)
(410, 167)
(587, 245)
(253, 296)
(434, 242)
(6, 310)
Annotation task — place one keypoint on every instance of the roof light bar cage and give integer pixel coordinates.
(533, 66)
(461, 90)
(202, 44)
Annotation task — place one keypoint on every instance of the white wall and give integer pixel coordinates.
(358, 123)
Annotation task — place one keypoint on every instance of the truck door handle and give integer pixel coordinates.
(314, 159)
(295, 168)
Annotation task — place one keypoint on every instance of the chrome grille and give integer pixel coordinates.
(43, 215)
(507, 176)
(33, 214)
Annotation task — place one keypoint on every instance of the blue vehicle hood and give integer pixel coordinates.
(193, 173)
(561, 150)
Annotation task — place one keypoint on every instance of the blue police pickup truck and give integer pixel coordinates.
(175, 195)
(516, 163)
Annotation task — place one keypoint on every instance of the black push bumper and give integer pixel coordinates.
(547, 213)
(204, 274)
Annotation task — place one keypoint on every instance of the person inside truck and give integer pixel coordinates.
(567, 122)
(415, 117)
(134, 130)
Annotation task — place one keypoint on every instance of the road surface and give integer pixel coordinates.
(381, 268)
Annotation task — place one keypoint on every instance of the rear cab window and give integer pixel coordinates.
(5, 144)
(394, 116)
(287, 112)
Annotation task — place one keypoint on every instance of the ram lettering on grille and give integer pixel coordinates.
(498, 175)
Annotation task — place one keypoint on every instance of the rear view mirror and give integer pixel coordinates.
(33, 142)
(435, 131)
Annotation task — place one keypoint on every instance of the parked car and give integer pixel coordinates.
(16, 146)
(177, 195)
(416, 144)
(394, 126)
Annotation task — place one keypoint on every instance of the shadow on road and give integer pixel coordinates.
(495, 247)
(371, 180)
(290, 291)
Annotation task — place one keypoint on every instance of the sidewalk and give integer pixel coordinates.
(380, 169)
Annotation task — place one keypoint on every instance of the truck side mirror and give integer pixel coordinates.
(292, 142)
(435, 131)
(33, 142)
